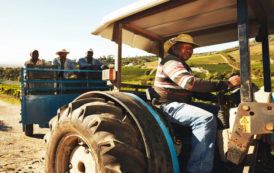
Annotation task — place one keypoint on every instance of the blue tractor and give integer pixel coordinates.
(117, 131)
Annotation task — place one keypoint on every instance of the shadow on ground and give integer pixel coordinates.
(3, 127)
(38, 136)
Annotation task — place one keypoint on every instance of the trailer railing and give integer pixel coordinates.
(43, 91)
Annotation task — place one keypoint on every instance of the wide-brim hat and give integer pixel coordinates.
(62, 51)
(184, 38)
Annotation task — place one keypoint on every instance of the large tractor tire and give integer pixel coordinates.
(98, 135)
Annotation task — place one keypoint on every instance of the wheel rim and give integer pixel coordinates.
(74, 155)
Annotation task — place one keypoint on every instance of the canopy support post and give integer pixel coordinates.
(266, 62)
(117, 37)
(246, 85)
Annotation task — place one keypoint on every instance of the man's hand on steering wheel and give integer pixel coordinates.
(234, 81)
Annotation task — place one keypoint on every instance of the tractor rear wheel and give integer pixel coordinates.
(94, 136)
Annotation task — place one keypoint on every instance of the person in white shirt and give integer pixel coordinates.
(34, 60)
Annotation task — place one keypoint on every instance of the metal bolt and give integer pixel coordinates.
(86, 151)
(269, 126)
(246, 108)
(70, 166)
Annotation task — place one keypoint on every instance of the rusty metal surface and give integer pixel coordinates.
(252, 118)
(258, 119)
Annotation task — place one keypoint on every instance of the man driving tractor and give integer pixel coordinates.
(176, 85)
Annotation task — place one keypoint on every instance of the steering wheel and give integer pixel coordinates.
(229, 95)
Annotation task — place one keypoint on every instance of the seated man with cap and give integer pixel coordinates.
(34, 60)
(176, 85)
(90, 63)
(62, 62)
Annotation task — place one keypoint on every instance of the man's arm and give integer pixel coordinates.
(101, 65)
(72, 65)
(205, 96)
(82, 63)
(97, 62)
(178, 73)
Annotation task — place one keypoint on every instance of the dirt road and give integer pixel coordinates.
(19, 153)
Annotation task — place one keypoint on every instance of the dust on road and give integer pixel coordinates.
(19, 153)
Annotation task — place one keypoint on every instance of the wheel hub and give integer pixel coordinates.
(82, 160)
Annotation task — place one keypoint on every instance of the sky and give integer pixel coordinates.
(52, 25)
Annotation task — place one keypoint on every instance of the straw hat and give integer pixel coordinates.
(62, 51)
(184, 38)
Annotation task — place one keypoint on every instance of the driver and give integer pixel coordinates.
(176, 85)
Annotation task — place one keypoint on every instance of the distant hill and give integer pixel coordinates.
(222, 64)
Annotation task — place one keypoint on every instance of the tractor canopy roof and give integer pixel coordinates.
(146, 24)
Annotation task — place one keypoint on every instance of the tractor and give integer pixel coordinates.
(118, 131)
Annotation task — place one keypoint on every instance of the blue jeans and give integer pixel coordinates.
(200, 117)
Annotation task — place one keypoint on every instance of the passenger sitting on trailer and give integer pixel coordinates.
(90, 63)
(62, 62)
(34, 60)
(176, 85)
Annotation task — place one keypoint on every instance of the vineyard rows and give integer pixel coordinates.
(13, 90)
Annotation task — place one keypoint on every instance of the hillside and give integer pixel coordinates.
(222, 64)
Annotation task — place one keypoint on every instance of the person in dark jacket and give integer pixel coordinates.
(90, 63)
(176, 85)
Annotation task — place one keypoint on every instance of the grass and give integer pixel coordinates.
(10, 99)
(137, 75)
(255, 49)
(205, 59)
(260, 82)
(219, 68)
(11, 89)
(259, 66)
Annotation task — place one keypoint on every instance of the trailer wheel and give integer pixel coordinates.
(28, 129)
(94, 137)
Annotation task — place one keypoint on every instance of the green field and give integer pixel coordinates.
(260, 67)
(214, 63)
(260, 82)
(205, 59)
(138, 75)
(219, 68)
(9, 89)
